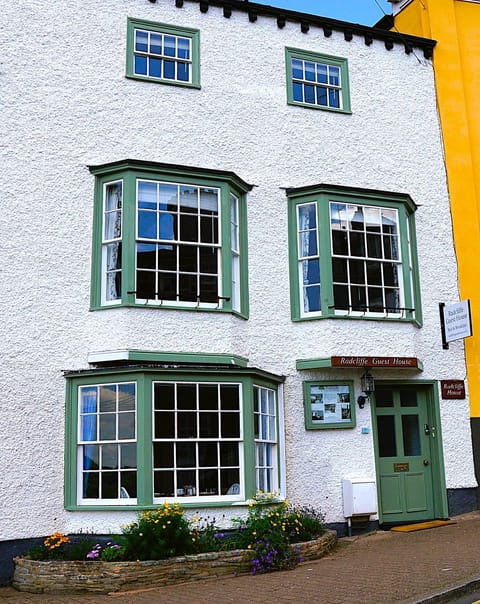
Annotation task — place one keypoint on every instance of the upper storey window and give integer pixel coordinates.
(163, 53)
(353, 254)
(318, 81)
(168, 236)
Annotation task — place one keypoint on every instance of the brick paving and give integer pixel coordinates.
(380, 568)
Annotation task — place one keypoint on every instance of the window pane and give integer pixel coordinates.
(229, 397)
(383, 398)
(141, 41)
(297, 69)
(186, 455)
(334, 98)
(183, 48)
(187, 425)
(147, 225)
(109, 457)
(108, 398)
(154, 67)
(164, 396)
(297, 92)
(334, 76)
(163, 484)
(163, 455)
(126, 425)
(140, 66)
(311, 271)
(309, 92)
(146, 255)
(408, 398)
(340, 297)
(322, 73)
(230, 425)
(186, 396)
(146, 285)
(411, 435)
(311, 299)
(126, 397)
(107, 426)
(387, 444)
(339, 243)
(309, 71)
(208, 425)
(207, 454)
(128, 455)
(109, 482)
(169, 70)
(164, 425)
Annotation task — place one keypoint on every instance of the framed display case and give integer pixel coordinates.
(329, 404)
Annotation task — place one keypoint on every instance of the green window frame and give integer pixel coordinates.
(329, 404)
(352, 254)
(317, 81)
(168, 236)
(162, 53)
(136, 436)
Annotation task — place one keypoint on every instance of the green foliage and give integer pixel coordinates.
(158, 534)
(270, 530)
(60, 547)
(304, 524)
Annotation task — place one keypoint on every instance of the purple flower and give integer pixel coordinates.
(93, 554)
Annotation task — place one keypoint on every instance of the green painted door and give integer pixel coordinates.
(403, 453)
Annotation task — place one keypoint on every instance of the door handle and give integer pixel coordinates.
(426, 429)
(426, 462)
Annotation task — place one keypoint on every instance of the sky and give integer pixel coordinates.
(365, 12)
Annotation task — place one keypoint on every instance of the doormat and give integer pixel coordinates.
(420, 526)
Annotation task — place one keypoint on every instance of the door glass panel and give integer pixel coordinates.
(408, 398)
(411, 435)
(384, 398)
(387, 443)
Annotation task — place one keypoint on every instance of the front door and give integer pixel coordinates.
(403, 440)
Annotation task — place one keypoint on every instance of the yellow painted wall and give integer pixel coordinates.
(455, 25)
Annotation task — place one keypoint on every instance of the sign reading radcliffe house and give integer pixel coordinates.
(405, 362)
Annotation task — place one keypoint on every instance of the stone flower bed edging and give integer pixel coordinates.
(57, 576)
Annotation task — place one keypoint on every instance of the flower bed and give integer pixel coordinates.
(57, 576)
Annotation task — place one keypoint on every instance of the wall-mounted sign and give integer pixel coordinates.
(453, 389)
(398, 362)
(455, 321)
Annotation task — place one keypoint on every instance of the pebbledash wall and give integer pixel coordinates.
(70, 118)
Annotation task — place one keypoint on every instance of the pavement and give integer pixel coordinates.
(430, 566)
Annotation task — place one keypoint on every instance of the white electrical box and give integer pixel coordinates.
(359, 498)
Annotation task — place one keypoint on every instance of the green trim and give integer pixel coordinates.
(307, 409)
(144, 378)
(322, 195)
(322, 363)
(340, 62)
(129, 171)
(168, 357)
(185, 32)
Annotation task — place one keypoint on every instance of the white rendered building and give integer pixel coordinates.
(216, 218)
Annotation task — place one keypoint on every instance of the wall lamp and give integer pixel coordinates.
(368, 386)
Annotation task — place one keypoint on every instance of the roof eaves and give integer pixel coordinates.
(328, 25)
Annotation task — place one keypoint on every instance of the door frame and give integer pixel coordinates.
(430, 389)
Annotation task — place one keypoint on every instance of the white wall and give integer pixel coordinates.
(66, 104)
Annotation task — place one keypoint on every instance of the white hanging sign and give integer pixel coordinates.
(457, 321)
